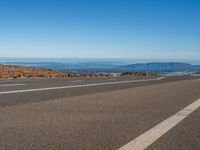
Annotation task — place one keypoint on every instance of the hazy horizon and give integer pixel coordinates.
(98, 60)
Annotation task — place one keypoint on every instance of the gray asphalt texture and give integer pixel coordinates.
(103, 117)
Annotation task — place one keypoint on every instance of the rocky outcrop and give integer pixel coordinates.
(7, 71)
(138, 74)
(10, 72)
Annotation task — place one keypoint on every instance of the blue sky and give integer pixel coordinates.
(100, 28)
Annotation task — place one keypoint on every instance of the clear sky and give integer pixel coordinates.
(100, 28)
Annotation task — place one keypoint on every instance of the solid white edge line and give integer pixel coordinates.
(149, 137)
(8, 85)
(75, 86)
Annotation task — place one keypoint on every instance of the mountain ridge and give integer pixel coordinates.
(161, 67)
(102, 67)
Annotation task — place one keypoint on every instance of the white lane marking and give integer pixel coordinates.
(112, 79)
(75, 86)
(77, 81)
(149, 137)
(6, 85)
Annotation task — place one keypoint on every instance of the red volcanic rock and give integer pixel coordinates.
(9, 72)
(137, 74)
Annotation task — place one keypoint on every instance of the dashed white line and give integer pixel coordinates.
(149, 137)
(112, 79)
(76, 86)
(9, 85)
(77, 81)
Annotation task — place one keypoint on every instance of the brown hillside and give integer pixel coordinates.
(10, 72)
(7, 71)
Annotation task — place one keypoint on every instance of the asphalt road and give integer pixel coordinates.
(102, 114)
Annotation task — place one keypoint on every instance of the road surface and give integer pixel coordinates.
(100, 114)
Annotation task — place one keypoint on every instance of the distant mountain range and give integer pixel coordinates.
(161, 67)
(97, 67)
(86, 67)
